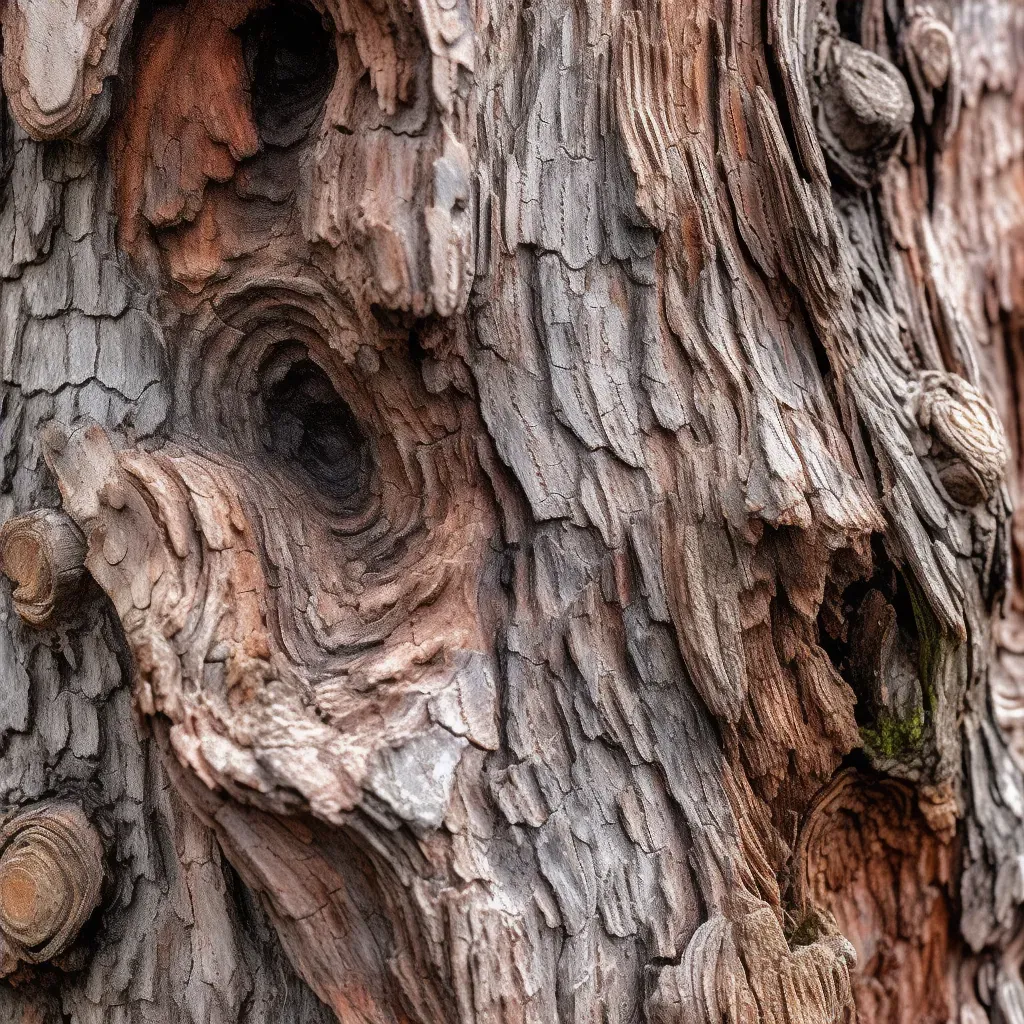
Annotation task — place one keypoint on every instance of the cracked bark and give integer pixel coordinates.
(510, 512)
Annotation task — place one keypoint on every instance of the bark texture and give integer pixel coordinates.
(510, 512)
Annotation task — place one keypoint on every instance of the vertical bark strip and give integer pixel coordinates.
(177, 938)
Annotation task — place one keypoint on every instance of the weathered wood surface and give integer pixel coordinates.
(544, 474)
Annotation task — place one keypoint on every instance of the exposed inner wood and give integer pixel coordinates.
(51, 874)
(43, 553)
(869, 858)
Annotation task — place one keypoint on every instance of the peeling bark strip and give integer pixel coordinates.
(509, 512)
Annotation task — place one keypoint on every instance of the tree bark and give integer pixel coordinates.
(510, 512)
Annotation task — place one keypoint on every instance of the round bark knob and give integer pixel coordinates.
(969, 433)
(51, 872)
(43, 553)
(864, 109)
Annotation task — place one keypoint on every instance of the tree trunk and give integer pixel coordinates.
(509, 512)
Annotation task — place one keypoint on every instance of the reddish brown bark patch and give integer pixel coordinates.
(867, 856)
(189, 120)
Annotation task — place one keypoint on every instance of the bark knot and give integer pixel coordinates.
(967, 428)
(51, 874)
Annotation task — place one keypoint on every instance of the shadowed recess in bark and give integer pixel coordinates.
(308, 425)
(291, 62)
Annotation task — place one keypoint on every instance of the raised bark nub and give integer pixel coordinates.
(51, 873)
(864, 109)
(970, 447)
(43, 553)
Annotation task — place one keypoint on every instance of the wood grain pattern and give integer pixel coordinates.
(43, 553)
(51, 875)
